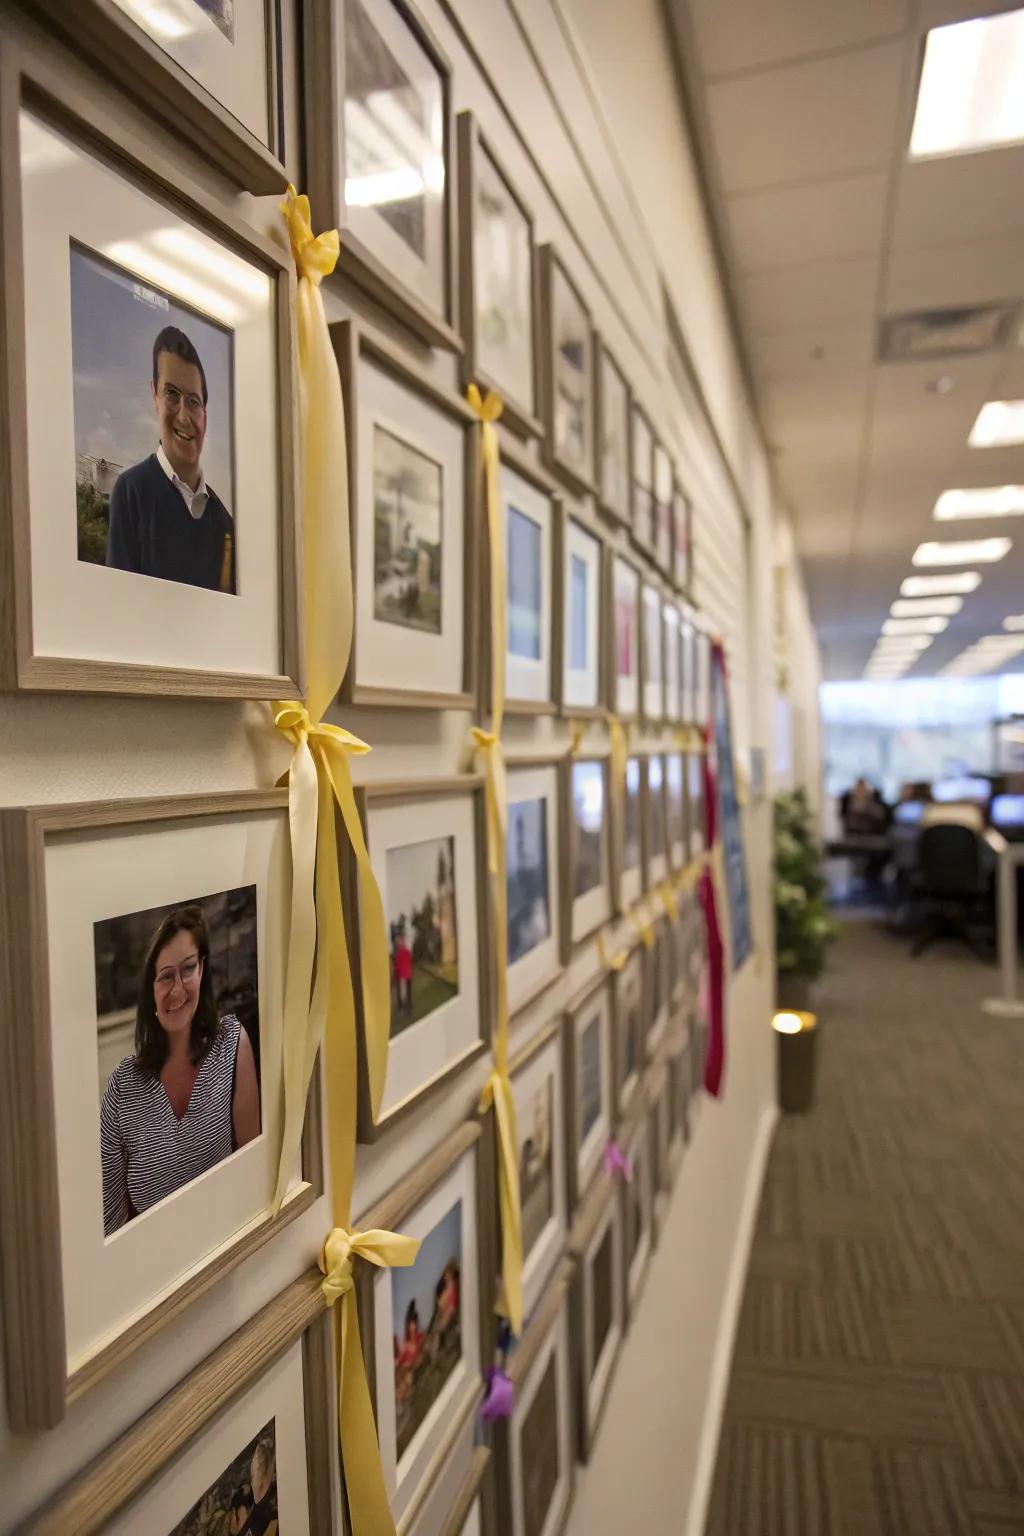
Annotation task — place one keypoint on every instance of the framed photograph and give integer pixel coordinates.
(422, 1326)
(642, 471)
(599, 1306)
(629, 839)
(625, 638)
(534, 882)
(379, 137)
(568, 375)
(535, 1448)
(682, 539)
(673, 660)
(531, 509)
(664, 488)
(652, 660)
(659, 987)
(245, 1442)
(588, 870)
(149, 961)
(588, 1084)
(208, 70)
(497, 282)
(538, 1087)
(655, 820)
(695, 803)
(434, 890)
(148, 538)
(472, 1511)
(702, 675)
(583, 588)
(688, 666)
(415, 519)
(611, 393)
(637, 1196)
(628, 1030)
(675, 809)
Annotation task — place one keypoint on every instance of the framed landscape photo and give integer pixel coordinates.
(379, 136)
(588, 1084)
(664, 487)
(612, 403)
(497, 282)
(642, 474)
(534, 875)
(148, 537)
(598, 1305)
(535, 1447)
(682, 539)
(422, 1326)
(583, 588)
(673, 659)
(655, 819)
(425, 839)
(629, 836)
(150, 964)
(531, 512)
(568, 375)
(207, 69)
(414, 518)
(637, 1196)
(675, 809)
(538, 1089)
(628, 1030)
(625, 638)
(588, 870)
(652, 657)
(244, 1442)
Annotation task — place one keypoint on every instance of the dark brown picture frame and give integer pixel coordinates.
(323, 32)
(622, 516)
(626, 1088)
(571, 1070)
(652, 877)
(640, 524)
(351, 343)
(83, 110)
(579, 481)
(601, 1202)
(39, 1387)
(519, 415)
(567, 820)
(636, 1145)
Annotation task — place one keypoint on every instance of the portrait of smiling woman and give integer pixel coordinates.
(189, 1094)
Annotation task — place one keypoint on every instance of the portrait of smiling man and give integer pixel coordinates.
(165, 520)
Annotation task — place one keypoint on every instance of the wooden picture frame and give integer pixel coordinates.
(575, 697)
(672, 653)
(636, 1195)
(540, 1368)
(384, 801)
(614, 489)
(520, 410)
(46, 1370)
(675, 810)
(532, 684)
(655, 819)
(438, 1184)
(641, 461)
(326, 29)
(662, 1175)
(598, 1305)
(537, 1073)
(586, 793)
(658, 1008)
(629, 880)
(624, 637)
(47, 598)
(218, 1390)
(589, 1116)
(629, 1001)
(687, 666)
(682, 539)
(105, 32)
(577, 471)
(535, 960)
(664, 487)
(365, 359)
(652, 654)
(695, 810)
(475, 1497)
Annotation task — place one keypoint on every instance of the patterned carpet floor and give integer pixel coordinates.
(877, 1386)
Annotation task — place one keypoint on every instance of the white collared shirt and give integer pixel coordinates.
(195, 500)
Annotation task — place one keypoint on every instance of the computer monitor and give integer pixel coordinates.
(908, 813)
(967, 787)
(1007, 813)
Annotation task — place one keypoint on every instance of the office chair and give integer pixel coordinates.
(953, 885)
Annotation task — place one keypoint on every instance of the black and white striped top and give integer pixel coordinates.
(147, 1151)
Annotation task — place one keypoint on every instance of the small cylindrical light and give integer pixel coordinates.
(797, 1034)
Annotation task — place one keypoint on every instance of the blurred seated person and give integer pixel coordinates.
(863, 811)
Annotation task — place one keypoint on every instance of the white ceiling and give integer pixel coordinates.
(804, 110)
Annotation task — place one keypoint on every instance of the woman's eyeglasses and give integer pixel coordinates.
(187, 970)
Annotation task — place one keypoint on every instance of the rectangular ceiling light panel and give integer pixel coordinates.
(933, 586)
(962, 552)
(1000, 424)
(980, 501)
(972, 87)
(914, 626)
(924, 607)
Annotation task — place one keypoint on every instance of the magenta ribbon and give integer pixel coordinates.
(501, 1396)
(616, 1161)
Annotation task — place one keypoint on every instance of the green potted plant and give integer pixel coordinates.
(803, 927)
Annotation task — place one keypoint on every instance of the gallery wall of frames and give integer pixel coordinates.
(165, 1346)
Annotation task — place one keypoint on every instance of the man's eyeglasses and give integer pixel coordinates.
(187, 970)
(173, 397)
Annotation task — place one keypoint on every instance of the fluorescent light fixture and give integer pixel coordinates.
(962, 552)
(980, 501)
(999, 423)
(1014, 621)
(934, 586)
(914, 626)
(902, 645)
(925, 607)
(972, 87)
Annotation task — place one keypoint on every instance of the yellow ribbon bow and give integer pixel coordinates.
(367, 1494)
(315, 256)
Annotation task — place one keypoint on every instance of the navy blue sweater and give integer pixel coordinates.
(153, 532)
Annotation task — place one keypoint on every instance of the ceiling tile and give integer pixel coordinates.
(962, 197)
(822, 221)
(808, 121)
(815, 351)
(748, 33)
(808, 294)
(941, 276)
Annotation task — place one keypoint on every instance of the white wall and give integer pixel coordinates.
(588, 96)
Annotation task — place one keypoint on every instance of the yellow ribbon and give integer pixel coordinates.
(577, 731)
(319, 1004)
(487, 745)
(619, 750)
(369, 1507)
(641, 923)
(613, 962)
(669, 900)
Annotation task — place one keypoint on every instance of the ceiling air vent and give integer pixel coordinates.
(929, 333)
